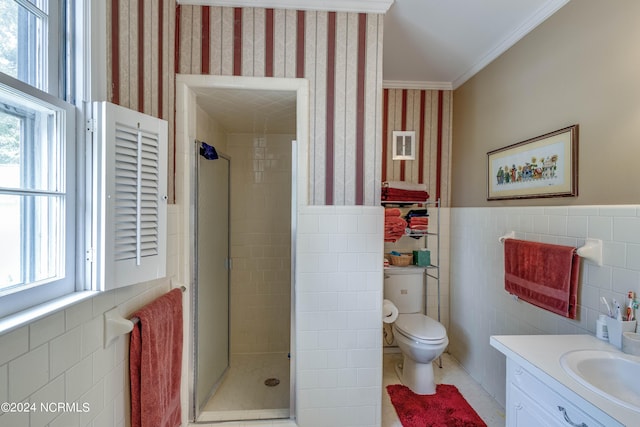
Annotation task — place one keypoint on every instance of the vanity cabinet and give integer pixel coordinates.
(533, 403)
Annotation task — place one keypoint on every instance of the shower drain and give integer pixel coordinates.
(271, 382)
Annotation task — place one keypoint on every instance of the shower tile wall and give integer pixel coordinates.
(260, 242)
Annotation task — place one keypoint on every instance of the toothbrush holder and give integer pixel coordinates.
(615, 328)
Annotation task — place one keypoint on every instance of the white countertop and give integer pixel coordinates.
(540, 354)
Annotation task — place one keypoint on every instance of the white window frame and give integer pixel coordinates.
(89, 52)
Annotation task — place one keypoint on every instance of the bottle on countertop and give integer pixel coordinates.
(601, 328)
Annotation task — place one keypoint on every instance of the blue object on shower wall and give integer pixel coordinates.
(208, 152)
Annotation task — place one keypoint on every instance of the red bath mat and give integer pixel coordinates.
(446, 408)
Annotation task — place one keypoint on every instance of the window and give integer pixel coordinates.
(37, 156)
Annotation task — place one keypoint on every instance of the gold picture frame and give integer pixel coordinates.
(544, 166)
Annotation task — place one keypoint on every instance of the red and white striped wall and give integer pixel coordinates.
(428, 113)
(140, 60)
(339, 53)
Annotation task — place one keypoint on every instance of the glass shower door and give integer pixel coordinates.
(212, 266)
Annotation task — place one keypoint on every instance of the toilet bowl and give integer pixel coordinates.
(421, 340)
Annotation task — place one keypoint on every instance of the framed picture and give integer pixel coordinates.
(545, 166)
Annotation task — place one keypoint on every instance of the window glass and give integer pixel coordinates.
(29, 146)
(24, 33)
(31, 193)
(30, 232)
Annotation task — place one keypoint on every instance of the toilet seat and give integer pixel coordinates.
(421, 328)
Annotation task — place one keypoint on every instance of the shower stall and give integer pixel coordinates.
(243, 276)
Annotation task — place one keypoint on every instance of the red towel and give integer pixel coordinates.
(392, 212)
(542, 274)
(419, 227)
(419, 220)
(155, 362)
(394, 194)
(394, 228)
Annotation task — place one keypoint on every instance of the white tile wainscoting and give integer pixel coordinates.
(61, 358)
(339, 311)
(480, 307)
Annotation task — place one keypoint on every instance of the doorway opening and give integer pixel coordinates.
(259, 125)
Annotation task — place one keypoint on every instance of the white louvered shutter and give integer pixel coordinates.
(130, 177)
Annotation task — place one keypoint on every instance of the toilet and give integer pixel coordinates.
(420, 338)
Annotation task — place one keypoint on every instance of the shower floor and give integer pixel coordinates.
(243, 394)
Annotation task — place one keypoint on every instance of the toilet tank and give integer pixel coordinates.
(404, 286)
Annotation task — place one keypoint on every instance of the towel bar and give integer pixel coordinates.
(116, 325)
(592, 249)
(509, 235)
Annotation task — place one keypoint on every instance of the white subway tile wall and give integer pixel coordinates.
(338, 315)
(479, 305)
(61, 359)
(260, 242)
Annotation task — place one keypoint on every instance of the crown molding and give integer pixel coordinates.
(361, 6)
(401, 84)
(541, 15)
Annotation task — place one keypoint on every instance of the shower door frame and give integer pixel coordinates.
(185, 101)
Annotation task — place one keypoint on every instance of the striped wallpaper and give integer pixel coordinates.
(428, 113)
(140, 61)
(339, 53)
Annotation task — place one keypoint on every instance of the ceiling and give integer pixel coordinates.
(442, 43)
(428, 44)
(250, 111)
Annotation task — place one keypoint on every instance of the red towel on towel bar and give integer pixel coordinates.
(155, 362)
(542, 274)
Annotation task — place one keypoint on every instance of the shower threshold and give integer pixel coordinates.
(243, 415)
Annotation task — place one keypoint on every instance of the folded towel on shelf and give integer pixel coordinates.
(394, 226)
(155, 362)
(403, 185)
(392, 212)
(397, 195)
(419, 220)
(418, 224)
(542, 274)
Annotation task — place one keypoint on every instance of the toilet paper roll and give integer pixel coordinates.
(389, 311)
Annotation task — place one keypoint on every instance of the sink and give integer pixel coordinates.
(613, 375)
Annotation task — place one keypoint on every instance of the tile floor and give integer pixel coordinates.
(243, 394)
(451, 373)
